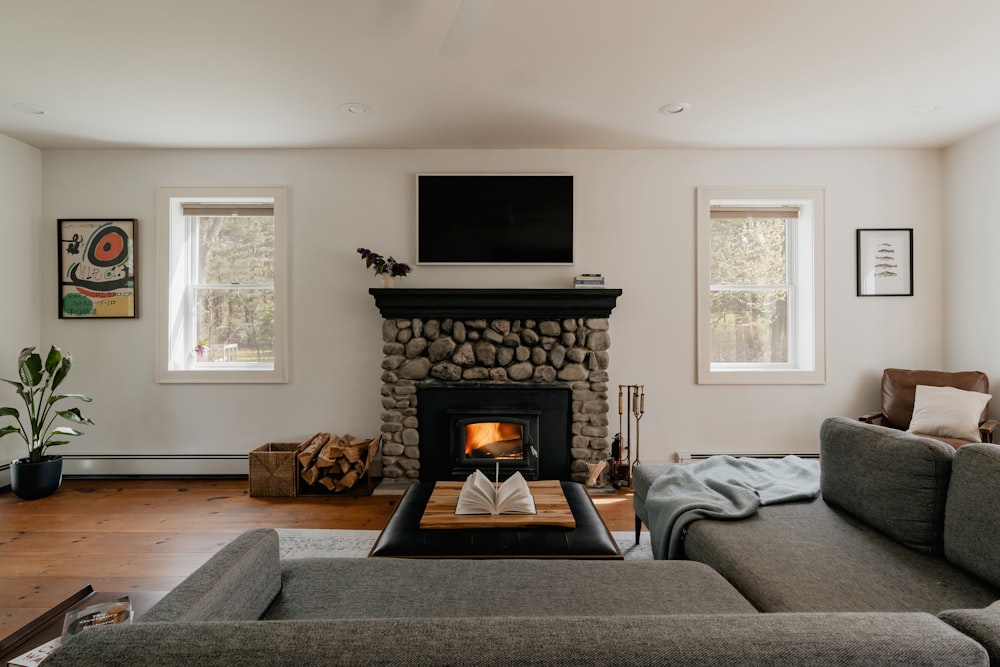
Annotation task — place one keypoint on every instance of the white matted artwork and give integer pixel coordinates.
(885, 262)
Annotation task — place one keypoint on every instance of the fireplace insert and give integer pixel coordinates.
(511, 427)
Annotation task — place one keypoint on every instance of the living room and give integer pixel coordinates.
(881, 163)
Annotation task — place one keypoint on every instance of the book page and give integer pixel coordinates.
(478, 496)
(514, 497)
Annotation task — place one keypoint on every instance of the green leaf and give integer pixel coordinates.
(65, 430)
(62, 371)
(29, 367)
(7, 430)
(53, 359)
(59, 397)
(74, 415)
(53, 443)
(10, 412)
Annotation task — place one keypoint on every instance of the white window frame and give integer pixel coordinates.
(175, 332)
(807, 287)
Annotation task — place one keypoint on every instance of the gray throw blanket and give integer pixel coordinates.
(722, 487)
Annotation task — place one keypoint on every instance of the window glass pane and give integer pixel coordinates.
(235, 325)
(748, 251)
(236, 250)
(749, 326)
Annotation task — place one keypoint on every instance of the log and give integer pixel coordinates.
(336, 462)
(307, 450)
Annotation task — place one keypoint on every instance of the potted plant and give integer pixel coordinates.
(39, 474)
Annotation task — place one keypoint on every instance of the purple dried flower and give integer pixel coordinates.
(383, 265)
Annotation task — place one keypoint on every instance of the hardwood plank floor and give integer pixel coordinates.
(147, 535)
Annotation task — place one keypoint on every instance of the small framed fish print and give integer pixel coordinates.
(885, 262)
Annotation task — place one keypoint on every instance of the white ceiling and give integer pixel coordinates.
(520, 74)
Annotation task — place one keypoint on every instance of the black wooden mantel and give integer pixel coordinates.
(494, 303)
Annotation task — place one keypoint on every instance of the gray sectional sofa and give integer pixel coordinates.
(903, 524)
(246, 606)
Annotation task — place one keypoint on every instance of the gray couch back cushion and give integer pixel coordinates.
(972, 515)
(236, 584)
(893, 481)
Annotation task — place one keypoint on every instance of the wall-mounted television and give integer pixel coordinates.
(494, 219)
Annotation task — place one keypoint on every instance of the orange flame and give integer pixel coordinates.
(482, 434)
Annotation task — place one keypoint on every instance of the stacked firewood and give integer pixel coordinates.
(335, 462)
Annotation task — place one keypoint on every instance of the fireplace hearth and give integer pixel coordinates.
(531, 364)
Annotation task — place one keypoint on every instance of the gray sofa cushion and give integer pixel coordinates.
(461, 587)
(983, 625)
(238, 583)
(761, 640)
(971, 528)
(814, 557)
(893, 481)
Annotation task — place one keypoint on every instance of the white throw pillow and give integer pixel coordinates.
(948, 412)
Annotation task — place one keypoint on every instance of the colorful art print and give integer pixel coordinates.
(97, 268)
(885, 262)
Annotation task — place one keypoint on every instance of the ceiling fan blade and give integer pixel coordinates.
(465, 25)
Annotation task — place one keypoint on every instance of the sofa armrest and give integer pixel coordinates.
(237, 583)
(871, 417)
(983, 625)
(987, 429)
(763, 640)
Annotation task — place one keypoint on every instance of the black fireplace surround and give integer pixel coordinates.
(443, 411)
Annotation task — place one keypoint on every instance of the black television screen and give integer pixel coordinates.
(494, 219)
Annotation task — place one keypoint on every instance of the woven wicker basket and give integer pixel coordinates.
(274, 470)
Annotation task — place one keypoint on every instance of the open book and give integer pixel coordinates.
(480, 496)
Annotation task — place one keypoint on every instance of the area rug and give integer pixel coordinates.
(315, 543)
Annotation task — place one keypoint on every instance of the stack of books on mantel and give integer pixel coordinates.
(589, 281)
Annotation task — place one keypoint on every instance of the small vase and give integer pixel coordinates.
(388, 280)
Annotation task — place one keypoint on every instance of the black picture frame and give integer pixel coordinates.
(97, 268)
(885, 262)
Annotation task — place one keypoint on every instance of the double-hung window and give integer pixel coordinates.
(760, 286)
(222, 285)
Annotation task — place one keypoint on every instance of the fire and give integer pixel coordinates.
(496, 440)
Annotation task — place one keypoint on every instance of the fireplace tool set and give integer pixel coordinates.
(631, 408)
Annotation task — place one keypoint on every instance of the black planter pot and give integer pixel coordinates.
(31, 481)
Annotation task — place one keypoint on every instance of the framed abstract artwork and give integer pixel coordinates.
(885, 262)
(97, 268)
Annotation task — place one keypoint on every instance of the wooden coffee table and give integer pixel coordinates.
(403, 537)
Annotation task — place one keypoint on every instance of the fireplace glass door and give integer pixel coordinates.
(488, 441)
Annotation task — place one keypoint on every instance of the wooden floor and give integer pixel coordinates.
(147, 535)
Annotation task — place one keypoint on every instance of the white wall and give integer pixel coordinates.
(20, 225)
(971, 241)
(635, 223)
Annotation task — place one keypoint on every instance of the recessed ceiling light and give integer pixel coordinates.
(32, 109)
(924, 108)
(674, 107)
(356, 107)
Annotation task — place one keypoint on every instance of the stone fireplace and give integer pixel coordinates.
(534, 362)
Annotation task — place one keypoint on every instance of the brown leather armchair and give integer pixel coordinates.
(899, 388)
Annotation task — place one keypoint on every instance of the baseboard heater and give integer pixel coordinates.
(687, 457)
(147, 457)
